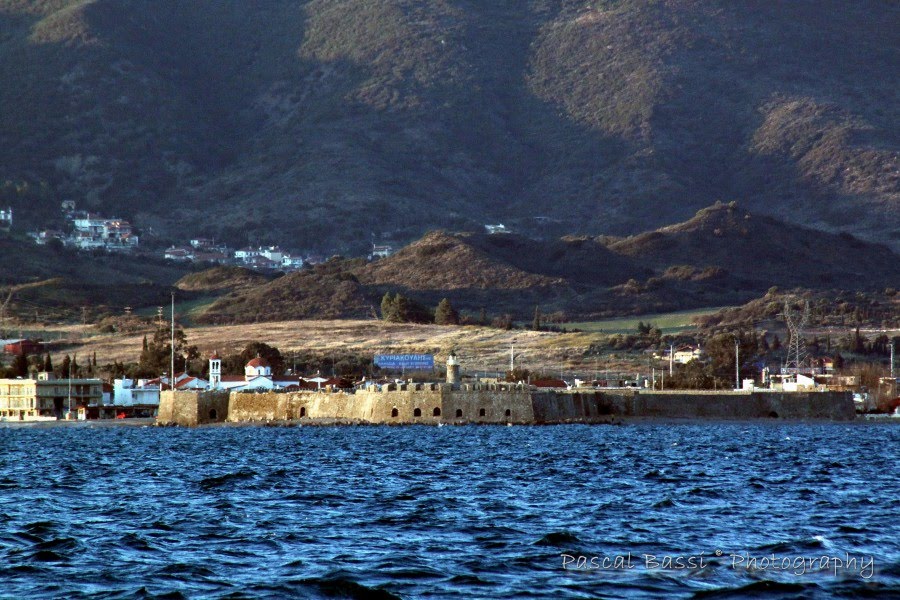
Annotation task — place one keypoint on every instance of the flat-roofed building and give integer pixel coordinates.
(46, 397)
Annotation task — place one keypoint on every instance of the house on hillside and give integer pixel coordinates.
(6, 219)
(683, 354)
(93, 231)
(45, 236)
(179, 253)
(380, 251)
(22, 346)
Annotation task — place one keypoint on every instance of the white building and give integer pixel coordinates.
(291, 262)
(179, 254)
(93, 231)
(272, 253)
(245, 254)
(127, 392)
(380, 251)
(257, 376)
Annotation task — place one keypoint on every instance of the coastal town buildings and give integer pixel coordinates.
(91, 231)
(46, 397)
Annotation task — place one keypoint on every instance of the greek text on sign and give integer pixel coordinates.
(405, 361)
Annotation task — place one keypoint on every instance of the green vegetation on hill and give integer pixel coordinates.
(318, 123)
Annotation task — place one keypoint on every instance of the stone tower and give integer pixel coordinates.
(452, 369)
(215, 370)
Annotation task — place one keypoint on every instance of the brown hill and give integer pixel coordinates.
(760, 251)
(444, 262)
(222, 278)
(326, 291)
(724, 255)
(318, 123)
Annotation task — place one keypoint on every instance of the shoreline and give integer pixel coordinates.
(615, 422)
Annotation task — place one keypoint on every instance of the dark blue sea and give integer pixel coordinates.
(645, 511)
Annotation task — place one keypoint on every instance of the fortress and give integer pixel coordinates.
(457, 403)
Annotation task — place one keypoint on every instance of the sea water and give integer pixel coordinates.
(570, 511)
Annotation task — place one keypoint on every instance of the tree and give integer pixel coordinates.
(518, 374)
(536, 321)
(48, 364)
(720, 349)
(65, 366)
(400, 309)
(389, 311)
(776, 343)
(156, 357)
(20, 365)
(445, 314)
(504, 321)
(271, 354)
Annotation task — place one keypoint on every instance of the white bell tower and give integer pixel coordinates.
(215, 370)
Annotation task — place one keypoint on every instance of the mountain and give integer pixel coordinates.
(762, 251)
(325, 124)
(724, 255)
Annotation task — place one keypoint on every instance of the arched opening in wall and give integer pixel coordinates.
(213, 415)
(481, 412)
(302, 411)
(773, 415)
(508, 412)
(437, 411)
(458, 413)
(395, 413)
(417, 412)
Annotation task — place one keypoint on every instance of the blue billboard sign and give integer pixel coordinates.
(412, 362)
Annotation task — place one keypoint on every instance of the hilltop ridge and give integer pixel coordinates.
(723, 255)
(325, 123)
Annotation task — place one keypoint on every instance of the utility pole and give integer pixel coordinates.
(737, 363)
(893, 343)
(172, 372)
(671, 359)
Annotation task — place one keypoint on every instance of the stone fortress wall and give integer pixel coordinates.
(449, 403)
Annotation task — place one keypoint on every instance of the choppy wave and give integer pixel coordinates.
(487, 512)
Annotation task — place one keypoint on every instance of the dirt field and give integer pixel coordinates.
(479, 348)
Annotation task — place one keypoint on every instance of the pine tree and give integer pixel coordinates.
(48, 364)
(445, 314)
(389, 308)
(401, 303)
(536, 322)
